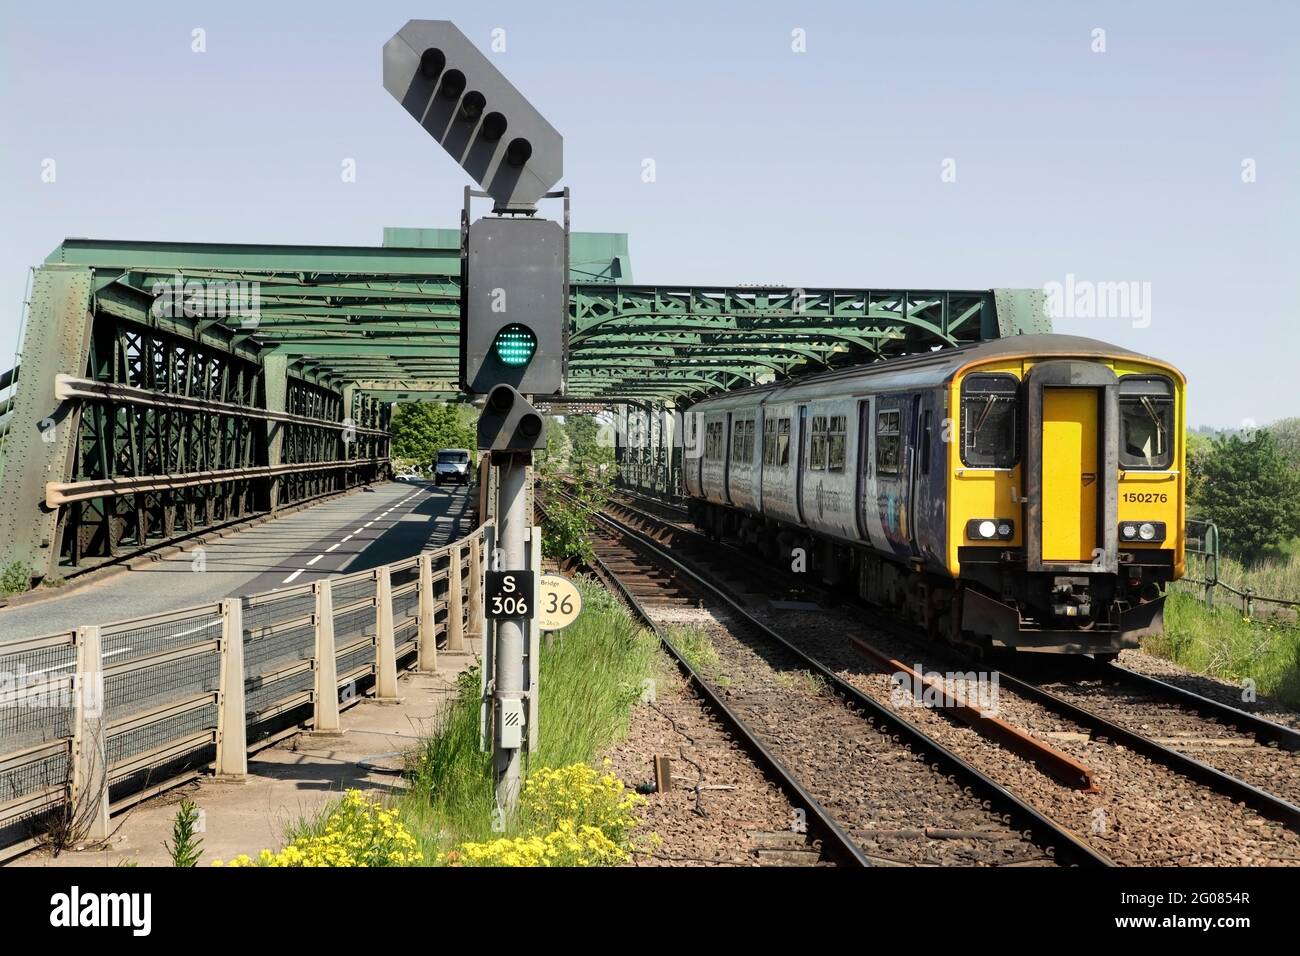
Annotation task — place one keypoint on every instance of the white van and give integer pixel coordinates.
(452, 465)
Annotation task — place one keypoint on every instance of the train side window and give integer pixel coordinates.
(925, 441)
(1146, 422)
(817, 449)
(742, 442)
(713, 440)
(836, 430)
(887, 441)
(769, 441)
(783, 441)
(988, 421)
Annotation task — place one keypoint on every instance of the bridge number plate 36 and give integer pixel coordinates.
(561, 603)
(510, 594)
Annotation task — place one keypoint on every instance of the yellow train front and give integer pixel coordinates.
(1023, 493)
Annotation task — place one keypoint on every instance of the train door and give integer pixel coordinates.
(800, 461)
(912, 476)
(1072, 468)
(868, 498)
(727, 426)
(1070, 473)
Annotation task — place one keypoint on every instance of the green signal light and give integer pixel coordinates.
(515, 345)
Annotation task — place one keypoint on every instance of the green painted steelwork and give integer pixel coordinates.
(392, 314)
(335, 333)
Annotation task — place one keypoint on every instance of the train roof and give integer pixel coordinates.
(927, 368)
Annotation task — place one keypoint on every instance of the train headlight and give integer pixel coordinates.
(990, 529)
(1148, 532)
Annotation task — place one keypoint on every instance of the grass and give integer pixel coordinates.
(15, 578)
(695, 645)
(1222, 643)
(590, 679)
(801, 681)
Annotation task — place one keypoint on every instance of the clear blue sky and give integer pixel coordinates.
(820, 168)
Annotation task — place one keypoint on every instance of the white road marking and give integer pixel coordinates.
(292, 576)
(314, 560)
(346, 540)
(332, 547)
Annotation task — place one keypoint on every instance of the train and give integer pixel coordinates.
(1024, 493)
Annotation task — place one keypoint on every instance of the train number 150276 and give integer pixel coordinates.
(1146, 497)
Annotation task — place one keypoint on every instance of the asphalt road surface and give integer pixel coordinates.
(362, 530)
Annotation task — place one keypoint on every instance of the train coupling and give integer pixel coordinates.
(1071, 597)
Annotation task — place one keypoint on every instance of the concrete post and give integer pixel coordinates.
(455, 610)
(89, 740)
(475, 622)
(427, 633)
(232, 724)
(385, 642)
(327, 682)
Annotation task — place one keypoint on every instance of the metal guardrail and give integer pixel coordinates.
(95, 719)
(1202, 539)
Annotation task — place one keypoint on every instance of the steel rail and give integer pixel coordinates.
(1263, 802)
(840, 843)
(1267, 731)
(1259, 800)
(1069, 848)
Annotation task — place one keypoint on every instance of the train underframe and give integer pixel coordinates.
(995, 604)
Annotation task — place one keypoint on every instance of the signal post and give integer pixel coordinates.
(514, 329)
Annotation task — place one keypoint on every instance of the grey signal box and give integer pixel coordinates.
(515, 324)
(464, 102)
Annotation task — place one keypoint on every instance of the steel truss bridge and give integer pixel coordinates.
(167, 388)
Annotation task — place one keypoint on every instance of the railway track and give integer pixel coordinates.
(884, 791)
(1239, 756)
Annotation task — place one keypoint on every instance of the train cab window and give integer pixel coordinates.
(887, 442)
(835, 436)
(988, 421)
(1146, 422)
(817, 444)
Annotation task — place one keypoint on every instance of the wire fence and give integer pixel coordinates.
(96, 718)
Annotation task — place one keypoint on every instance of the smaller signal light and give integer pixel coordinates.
(515, 345)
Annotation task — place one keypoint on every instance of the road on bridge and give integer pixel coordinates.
(370, 527)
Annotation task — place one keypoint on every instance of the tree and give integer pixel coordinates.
(1287, 433)
(1198, 447)
(419, 429)
(1248, 490)
(586, 449)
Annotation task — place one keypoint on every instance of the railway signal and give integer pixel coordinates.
(508, 423)
(514, 321)
(474, 112)
(516, 317)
